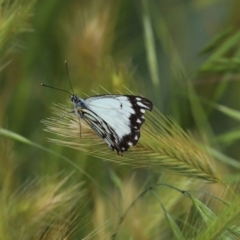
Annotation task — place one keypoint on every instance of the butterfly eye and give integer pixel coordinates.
(74, 98)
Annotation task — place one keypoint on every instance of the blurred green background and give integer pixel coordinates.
(184, 55)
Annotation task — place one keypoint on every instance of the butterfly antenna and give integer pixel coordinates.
(69, 77)
(44, 85)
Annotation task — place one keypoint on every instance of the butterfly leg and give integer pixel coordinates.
(79, 120)
(80, 126)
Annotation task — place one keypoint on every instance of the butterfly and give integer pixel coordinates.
(114, 118)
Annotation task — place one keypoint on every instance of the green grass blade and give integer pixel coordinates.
(150, 44)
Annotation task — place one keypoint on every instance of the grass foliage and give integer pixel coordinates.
(163, 145)
(180, 181)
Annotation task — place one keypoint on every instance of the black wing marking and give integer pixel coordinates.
(139, 104)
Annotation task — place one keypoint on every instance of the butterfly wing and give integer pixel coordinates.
(102, 129)
(116, 118)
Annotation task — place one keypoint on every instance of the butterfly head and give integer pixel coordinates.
(74, 98)
(77, 102)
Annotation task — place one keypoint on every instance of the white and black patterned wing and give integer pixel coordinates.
(102, 129)
(117, 118)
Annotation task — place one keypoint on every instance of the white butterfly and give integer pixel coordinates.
(115, 118)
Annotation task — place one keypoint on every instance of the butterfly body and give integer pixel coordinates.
(115, 118)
